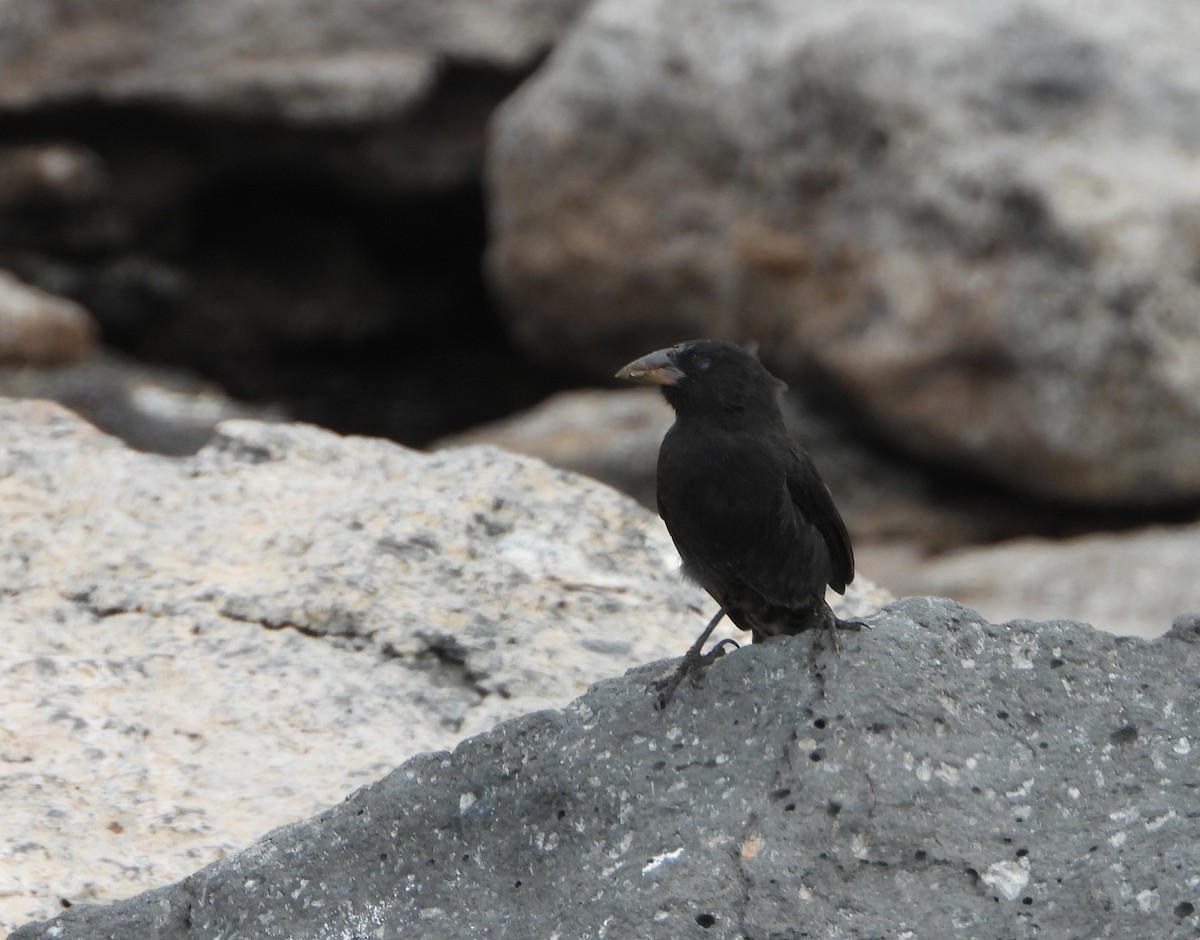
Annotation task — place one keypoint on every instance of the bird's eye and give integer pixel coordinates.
(702, 363)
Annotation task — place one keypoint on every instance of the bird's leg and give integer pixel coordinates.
(831, 625)
(692, 662)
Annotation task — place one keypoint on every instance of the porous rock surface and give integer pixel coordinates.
(199, 649)
(944, 777)
(980, 223)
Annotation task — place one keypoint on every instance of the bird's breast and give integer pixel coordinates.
(712, 490)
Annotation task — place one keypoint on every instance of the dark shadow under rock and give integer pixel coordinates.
(943, 777)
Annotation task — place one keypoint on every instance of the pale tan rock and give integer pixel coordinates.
(1131, 583)
(37, 327)
(610, 436)
(199, 649)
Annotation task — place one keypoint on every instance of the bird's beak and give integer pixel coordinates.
(655, 369)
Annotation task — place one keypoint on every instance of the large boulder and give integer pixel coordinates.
(200, 649)
(943, 778)
(980, 223)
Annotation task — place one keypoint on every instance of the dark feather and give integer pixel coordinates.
(754, 523)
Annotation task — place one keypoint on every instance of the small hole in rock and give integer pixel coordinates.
(789, 808)
(920, 855)
(819, 723)
(1184, 909)
(816, 755)
(833, 808)
(1055, 663)
(1002, 715)
(706, 920)
(1026, 900)
(781, 793)
(1125, 735)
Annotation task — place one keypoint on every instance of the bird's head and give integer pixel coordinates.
(707, 375)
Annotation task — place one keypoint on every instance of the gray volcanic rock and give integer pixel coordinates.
(944, 777)
(979, 222)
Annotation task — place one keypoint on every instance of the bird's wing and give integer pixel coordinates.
(812, 499)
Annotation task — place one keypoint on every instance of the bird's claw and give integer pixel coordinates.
(691, 666)
(664, 687)
(719, 650)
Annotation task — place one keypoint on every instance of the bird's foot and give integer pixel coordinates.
(833, 626)
(691, 666)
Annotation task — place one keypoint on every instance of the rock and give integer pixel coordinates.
(944, 777)
(610, 436)
(292, 61)
(59, 174)
(253, 191)
(203, 648)
(151, 408)
(37, 327)
(980, 227)
(1132, 582)
(913, 533)
(887, 500)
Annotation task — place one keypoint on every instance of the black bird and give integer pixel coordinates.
(754, 523)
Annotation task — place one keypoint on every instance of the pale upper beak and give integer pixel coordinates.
(657, 368)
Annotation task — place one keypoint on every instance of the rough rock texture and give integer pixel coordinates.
(944, 778)
(980, 223)
(37, 328)
(199, 649)
(153, 408)
(1132, 582)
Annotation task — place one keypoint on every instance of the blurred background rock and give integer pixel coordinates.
(967, 237)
